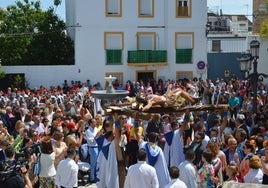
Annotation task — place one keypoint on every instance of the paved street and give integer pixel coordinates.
(89, 186)
(85, 183)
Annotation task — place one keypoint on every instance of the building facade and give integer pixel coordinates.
(129, 39)
(138, 39)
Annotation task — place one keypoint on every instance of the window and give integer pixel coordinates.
(113, 44)
(146, 8)
(113, 57)
(184, 55)
(216, 45)
(184, 44)
(183, 8)
(113, 8)
(146, 40)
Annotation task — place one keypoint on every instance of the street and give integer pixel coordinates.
(89, 186)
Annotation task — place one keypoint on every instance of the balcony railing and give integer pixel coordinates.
(113, 57)
(147, 57)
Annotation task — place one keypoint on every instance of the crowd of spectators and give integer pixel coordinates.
(228, 145)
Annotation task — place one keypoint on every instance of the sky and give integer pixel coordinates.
(243, 7)
(45, 4)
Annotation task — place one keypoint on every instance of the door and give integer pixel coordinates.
(146, 76)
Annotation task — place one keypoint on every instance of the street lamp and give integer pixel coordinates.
(246, 61)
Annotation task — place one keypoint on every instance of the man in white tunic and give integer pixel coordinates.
(174, 173)
(173, 150)
(188, 175)
(141, 174)
(116, 169)
(101, 169)
(155, 158)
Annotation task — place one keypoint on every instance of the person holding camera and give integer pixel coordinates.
(19, 178)
(30, 152)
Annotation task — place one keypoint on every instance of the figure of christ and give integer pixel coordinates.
(174, 98)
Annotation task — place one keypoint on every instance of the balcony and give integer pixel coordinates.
(113, 57)
(147, 57)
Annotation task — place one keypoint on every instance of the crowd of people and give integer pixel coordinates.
(55, 128)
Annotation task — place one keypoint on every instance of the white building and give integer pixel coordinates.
(240, 24)
(129, 39)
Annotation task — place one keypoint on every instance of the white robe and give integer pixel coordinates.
(174, 152)
(112, 178)
(97, 106)
(101, 168)
(160, 165)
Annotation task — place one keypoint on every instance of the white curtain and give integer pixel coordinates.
(146, 7)
(184, 41)
(146, 42)
(114, 41)
(113, 6)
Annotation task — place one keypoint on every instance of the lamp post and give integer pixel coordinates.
(246, 61)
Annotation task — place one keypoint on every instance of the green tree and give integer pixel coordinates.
(31, 36)
(264, 25)
(2, 73)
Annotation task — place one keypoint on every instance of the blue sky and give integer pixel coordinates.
(44, 5)
(231, 6)
(228, 6)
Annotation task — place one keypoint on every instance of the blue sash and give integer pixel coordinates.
(100, 141)
(169, 137)
(105, 151)
(152, 158)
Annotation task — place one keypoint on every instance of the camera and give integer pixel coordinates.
(11, 168)
(29, 150)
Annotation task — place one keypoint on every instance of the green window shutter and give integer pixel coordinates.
(184, 55)
(147, 56)
(113, 57)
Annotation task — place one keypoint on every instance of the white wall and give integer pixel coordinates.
(87, 23)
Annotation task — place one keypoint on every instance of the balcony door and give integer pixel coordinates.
(146, 41)
(146, 75)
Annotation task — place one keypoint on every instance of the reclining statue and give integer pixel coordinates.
(175, 99)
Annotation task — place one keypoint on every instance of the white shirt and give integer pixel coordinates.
(47, 165)
(40, 129)
(67, 174)
(188, 174)
(176, 183)
(141, 175)
(205, 142)
(90, 136)
(254, 176)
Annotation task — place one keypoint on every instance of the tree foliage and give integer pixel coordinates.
(31, 36)
(264, 25)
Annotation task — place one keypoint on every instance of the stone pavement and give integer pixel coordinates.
(89, 186)
(83, 181)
